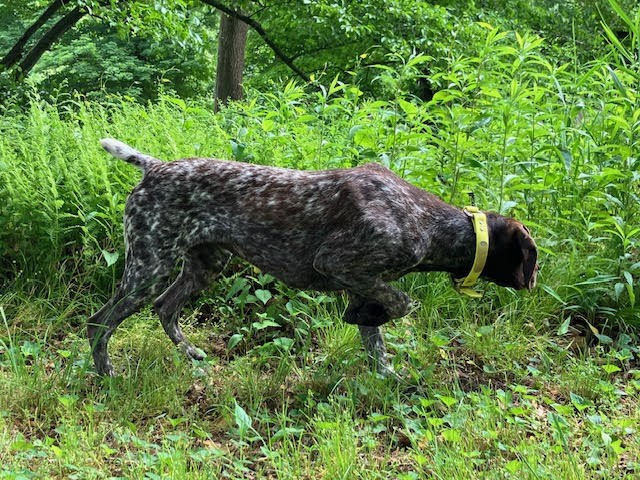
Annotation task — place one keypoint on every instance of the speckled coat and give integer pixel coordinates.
(343, 229)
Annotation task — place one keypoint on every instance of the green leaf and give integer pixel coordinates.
(579, 402)
(419, 59)
(376, 417)
(609, 368)
(287, 432)
(178, 102)
(617, 82)
(615, 41)
(408, 107)
(439, 340)
(263, 295)
(21, 444)
(264, 324)
(243, 420)
(507, 205)
(513, 466)
(567, 158)
(234, 340)
(238, 284)
(363, 137)
(604, 339)
(617, 447)
(553, 293)
(483, 122)
(485, 25)
(517, 411)
(285, 343)
(485, 330)
(268, 124)
(68, 400)
(564, 327)
(448, 401)
(488, 368)
(451, 435)
(558, 421)
(336, 85)
(30, 349)
(110, 257)
(632, 295)
(57, 451)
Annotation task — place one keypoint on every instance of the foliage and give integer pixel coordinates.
(525, 135)
(347, 37)
(100, 60)
(100, 54)
(534, 385)
(135, 47)
(572, 28)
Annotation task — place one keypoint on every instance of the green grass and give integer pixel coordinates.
(514, 385)
(481, 397)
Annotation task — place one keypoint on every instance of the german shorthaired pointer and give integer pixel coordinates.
(345, 229)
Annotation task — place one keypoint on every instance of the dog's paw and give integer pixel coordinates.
(193, 352)
(369, 314)
(372, 315)
(351, 316)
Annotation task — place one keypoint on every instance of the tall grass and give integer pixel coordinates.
(527, 137)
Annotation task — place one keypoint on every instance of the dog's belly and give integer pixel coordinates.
(308, 282)
(293, 267)
(303, 278)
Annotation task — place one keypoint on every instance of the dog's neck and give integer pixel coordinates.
(451, 245)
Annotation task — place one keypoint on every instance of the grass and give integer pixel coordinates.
(528, 385)
(480, 397)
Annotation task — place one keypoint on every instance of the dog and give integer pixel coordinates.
(353, 229)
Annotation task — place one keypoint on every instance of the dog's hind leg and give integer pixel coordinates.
(138, 286)
(201, 265)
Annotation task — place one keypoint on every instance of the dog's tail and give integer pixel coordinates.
(128, 154)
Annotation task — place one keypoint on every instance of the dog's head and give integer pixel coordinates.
(513, 255)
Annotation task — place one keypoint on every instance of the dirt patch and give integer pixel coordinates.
(471, 373)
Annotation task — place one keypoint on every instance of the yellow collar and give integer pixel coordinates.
(482, 249)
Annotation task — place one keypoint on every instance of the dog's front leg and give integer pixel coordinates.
(376, 351)
(371, 335)
(372, 301)
(376, 304)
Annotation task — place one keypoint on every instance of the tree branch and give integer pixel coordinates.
(15, 54)
(48, 39)
(257, 27)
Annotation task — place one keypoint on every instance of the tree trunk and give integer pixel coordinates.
(257, 27)
(15, 54)
(231, 44)
(48, 39)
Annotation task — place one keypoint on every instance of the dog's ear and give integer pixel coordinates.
(527, 271)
